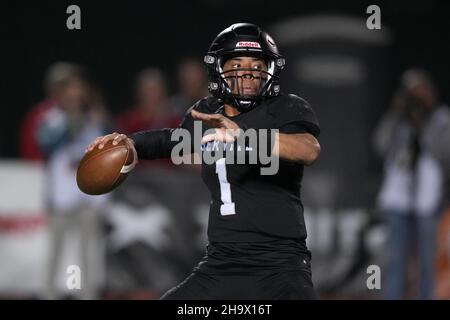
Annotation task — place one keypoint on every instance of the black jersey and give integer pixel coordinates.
(245, 205)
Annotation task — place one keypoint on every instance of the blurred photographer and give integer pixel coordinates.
(411, 138)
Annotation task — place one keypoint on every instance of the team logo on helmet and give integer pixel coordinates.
(250, 44)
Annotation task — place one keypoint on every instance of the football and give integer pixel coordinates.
(102, 170)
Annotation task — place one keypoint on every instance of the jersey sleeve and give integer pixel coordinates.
(295, 115)
(157, 144)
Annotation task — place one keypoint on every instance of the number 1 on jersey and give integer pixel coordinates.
(227, 208)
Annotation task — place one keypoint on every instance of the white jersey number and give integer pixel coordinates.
(227, 208)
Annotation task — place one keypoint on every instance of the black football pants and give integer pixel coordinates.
(270, 285)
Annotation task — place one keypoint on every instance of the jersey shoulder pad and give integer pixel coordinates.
(287, 104)
(290, 109)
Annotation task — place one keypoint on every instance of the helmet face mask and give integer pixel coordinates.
(245, 83)
(243, 87)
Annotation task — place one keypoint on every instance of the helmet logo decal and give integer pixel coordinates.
(250, 44)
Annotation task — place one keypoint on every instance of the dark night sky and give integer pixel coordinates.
(118, 39)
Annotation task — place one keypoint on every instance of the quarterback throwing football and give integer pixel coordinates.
(256, 233)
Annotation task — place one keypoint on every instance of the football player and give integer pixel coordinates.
(256, 232)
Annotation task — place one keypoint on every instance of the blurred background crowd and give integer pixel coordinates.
(379, 194)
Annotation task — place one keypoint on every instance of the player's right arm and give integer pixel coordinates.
(148, 145)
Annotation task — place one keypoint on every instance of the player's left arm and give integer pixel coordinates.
(298, 131)
(296, 147)
(296, 140)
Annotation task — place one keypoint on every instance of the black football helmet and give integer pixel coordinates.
(243, 39)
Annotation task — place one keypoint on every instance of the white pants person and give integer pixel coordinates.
(80, 225)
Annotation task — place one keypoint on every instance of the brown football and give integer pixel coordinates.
(102, 170)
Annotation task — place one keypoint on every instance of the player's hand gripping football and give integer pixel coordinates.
(226, 130)
(116, 138)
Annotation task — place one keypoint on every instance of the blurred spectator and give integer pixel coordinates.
(152, 109)
(75, 117)
(192, 84)
(409, 138)
(29, 147)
